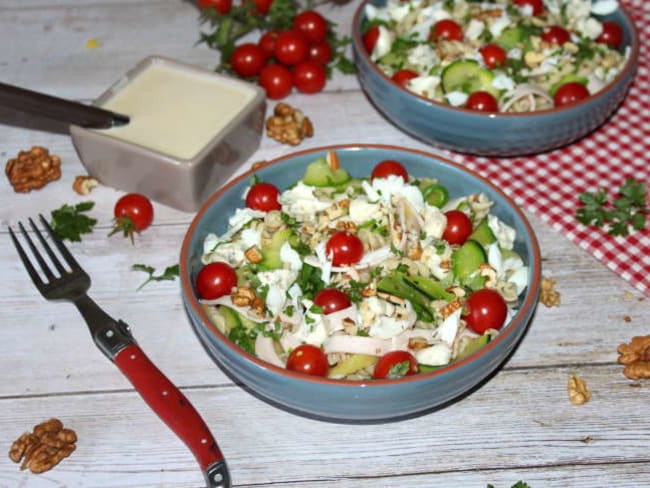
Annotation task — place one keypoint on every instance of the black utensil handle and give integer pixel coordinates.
(43, 105)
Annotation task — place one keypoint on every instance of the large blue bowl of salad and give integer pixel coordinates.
(503, 78)
(360, 282)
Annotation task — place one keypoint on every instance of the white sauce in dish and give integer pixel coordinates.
(176, 111)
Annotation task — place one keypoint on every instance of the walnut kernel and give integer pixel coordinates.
(45, 447)
(636, 358)
(288, 125)
(83, 185)
(33, 169)
(578, 392)
(549, 296)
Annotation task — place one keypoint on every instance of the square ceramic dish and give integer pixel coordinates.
(190, 130)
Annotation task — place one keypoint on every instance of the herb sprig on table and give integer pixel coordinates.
(71, 222)
(169, 274)
(616, 214)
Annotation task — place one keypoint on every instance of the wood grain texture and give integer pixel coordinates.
(517, 426)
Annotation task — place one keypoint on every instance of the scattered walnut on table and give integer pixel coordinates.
(636, 358)
(549, 296)
(578, 392)
(83, 185)
(43, 448)
(288, 125)
(33, 169)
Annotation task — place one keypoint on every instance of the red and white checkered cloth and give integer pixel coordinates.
(549, 184)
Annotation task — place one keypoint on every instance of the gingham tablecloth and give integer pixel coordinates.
(549, 184)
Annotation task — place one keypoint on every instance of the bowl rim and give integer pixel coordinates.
(628, 71)
(517, 322)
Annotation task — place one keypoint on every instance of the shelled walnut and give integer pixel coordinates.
(43, 448)
(33, 169)
(636, 358)
(549, 296)
(578, 391)
(288, 125)
(83, 185)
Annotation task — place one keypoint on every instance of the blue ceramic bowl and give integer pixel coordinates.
(498, 135)
(376, 400)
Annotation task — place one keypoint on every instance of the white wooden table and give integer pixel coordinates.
(518, 426)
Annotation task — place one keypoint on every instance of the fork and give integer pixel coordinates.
(115, 340)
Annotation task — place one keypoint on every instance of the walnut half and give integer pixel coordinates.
(33, 169)
(288, 125)
(636, 358)
(43, 448)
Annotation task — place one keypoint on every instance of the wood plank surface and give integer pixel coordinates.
(517, 426)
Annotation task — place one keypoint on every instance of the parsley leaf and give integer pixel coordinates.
(628, 209)
(70, 222)
(170, 273)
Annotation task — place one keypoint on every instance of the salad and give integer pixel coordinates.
(360, 278)
(503, 55)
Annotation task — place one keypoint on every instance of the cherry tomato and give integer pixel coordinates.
(537, 5)
(276, 81)
(370, 38)
(345, 248)
(291, 48)
(482, 101)
(309, 77)
(262, 6)
(395, 364)
(308, 359)
(221, 6)
(215, 280)
(389, 167)
(321, 53)
(612, 34)
(446, 30)
(267, 42)
(332, 300)
(486, 310)
(459, 227)
(493, 55)
(263, 196)
(403, 76)
(312, 25)
(556, 35)
(133, 212)
(247, 60)
(570, 93)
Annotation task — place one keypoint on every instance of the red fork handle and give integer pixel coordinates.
(169, 403)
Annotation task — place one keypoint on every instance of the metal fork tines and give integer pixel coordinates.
(69, 284)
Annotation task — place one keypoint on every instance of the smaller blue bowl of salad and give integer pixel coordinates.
(500, 79)
(360, 283)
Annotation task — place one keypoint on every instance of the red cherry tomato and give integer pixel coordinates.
(482, 101)
(263, 196)
(308, 359)
(459, 227)
(345, 248)
(556, 35)
(133, 212)
(486, 310)
(370, 38)
(262, 6)
(389, 167)
(612, 34)
(332, 300)
(321, 53)
(395, 364)
(267, 42)
(537, 5)
(493, 55)
(446, 30)
(403, 76)
(570, 93)
(247, 60)
(276, 80)
(221, 6)
(291, 48)
(215, 280)
(312, 25)
(309, 77)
